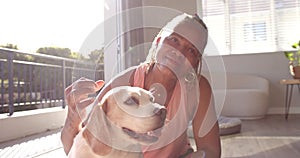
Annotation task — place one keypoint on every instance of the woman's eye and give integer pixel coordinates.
(132, 101)
(192, 51)
(173, 39)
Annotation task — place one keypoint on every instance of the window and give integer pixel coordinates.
(255, 32)
(252, 26)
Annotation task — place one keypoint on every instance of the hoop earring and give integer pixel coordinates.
(199, 69)
(190, 77)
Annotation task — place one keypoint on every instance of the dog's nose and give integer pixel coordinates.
(160, 111)
(152, 99)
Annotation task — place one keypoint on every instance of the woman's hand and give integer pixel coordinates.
(76, 96)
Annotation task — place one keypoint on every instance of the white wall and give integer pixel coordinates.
(25, 123)
(175, 6)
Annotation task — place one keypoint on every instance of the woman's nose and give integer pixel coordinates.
(177, 54)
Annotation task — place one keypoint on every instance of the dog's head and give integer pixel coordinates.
(131, 115)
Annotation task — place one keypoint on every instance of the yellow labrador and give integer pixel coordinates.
(125, 119)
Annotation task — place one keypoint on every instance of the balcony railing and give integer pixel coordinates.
(32, 80)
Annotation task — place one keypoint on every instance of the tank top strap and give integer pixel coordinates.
(139, 75)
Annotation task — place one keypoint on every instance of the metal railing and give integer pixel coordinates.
(32, 80)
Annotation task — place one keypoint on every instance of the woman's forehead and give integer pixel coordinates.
(193, 32)
(182, 38)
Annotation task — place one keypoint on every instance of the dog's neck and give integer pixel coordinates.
(104, 137)
(97, 146)
(101, 149)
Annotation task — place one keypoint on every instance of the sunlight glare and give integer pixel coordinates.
(33, 24)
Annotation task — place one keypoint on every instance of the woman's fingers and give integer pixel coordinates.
(81, 107)
(100, 84)
(80, 89)
(86, 83)
(86, 102)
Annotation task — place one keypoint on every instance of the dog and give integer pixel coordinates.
(125, 120)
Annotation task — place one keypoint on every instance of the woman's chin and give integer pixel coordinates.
(173, 67)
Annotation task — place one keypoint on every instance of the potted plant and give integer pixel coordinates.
(294, 58)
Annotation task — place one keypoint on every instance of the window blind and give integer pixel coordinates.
(252, 26)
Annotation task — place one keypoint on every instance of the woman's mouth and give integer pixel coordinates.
(172, 60)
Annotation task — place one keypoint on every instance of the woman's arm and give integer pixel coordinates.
(205, 124)
(76, 96)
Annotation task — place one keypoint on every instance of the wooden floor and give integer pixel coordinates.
(271, 137)
(42, 145)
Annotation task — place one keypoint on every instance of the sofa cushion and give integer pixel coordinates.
(229, 125)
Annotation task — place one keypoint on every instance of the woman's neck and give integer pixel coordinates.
(161, 82)
(161, 74)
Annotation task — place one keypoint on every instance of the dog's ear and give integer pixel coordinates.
(103, 105)
(98, 124)
(99, 128)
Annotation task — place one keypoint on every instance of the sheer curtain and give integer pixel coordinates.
(252, 26)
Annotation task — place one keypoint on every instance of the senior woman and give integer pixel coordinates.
(172, 72)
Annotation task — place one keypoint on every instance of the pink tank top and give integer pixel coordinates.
(173, 141)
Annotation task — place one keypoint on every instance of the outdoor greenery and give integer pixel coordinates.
(42, 80)
(96, 56)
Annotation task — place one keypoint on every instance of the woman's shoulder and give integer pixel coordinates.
(131, 72)
(204, 84)
(203, 80)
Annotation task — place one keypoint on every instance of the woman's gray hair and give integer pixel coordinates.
(169, 28)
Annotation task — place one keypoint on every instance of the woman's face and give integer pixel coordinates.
(178, 54)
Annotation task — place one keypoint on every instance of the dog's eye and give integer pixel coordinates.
(132, 101)
(152, 99)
